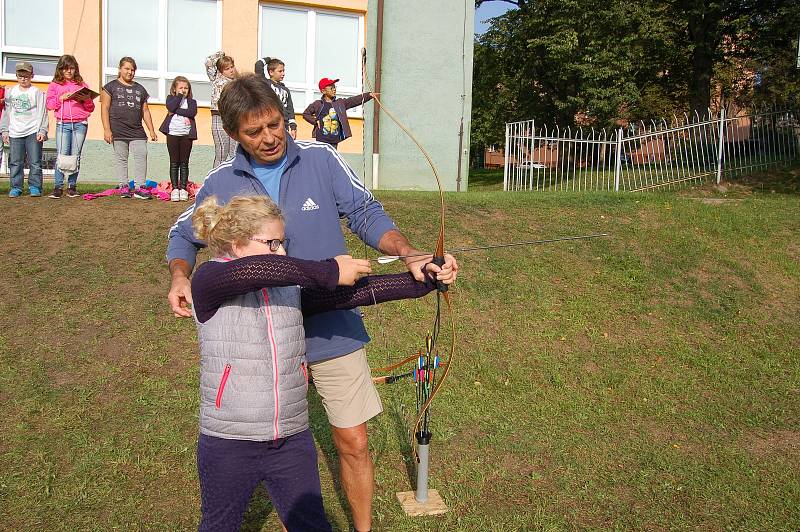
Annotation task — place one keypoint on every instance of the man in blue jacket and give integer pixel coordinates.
(314, 188)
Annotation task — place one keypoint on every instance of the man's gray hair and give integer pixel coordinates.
(245, 95)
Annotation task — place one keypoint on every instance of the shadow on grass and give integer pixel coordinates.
(258, 511)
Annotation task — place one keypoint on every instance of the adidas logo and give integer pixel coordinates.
(309, 205)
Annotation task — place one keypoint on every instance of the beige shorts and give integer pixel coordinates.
(348, 393)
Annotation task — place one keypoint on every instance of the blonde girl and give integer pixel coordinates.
(247, 304)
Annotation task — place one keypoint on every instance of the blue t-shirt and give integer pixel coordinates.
(270, 177)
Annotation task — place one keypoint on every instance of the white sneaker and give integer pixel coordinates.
(184, 194)
(175, 195)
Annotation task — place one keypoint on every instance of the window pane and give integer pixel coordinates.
(283, 35)
(337, 53)
(32, 24)
(299, 101)
(191, 34)
(133, 31)
(42, 66)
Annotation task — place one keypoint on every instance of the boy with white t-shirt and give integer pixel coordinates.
(24, 127)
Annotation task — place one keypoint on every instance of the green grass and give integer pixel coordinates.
(650, 380)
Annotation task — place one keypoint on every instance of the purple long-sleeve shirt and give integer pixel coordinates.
(216, 282)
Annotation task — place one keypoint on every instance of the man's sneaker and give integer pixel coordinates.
(184, 195)
(72, 192)
(35, 192)
(175, 195)
(142, 194)
(15, 193)
(56, 193)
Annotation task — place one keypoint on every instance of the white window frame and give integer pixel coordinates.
(162, 75)
(28, 53)
(310, 87)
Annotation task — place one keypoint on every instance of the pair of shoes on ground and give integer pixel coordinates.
(17, 192)
(72, 192)
(178, 195)
(136, 193)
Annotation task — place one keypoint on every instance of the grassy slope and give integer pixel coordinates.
(650, 380)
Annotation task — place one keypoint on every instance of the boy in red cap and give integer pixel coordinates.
(329, 115)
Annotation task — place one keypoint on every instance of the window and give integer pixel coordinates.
(37, 39)
(166, 38)
(314, 44)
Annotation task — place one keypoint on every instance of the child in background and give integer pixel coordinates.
(180, 128)
(123, 103)
(24, 127)
(221, 70)
(2, 106)
(249, 310)
(328, 115)
(274, 71)
(71, 119)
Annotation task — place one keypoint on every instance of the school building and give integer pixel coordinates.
(419, 58)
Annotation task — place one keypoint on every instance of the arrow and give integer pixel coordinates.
(386, 259)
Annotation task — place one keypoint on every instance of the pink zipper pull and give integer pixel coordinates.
(222, 385)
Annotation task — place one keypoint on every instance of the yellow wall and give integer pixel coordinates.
(83, 38)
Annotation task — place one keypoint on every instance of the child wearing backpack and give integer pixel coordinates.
(180, 128)
(24, 127)
(248, 304)
(123, 103)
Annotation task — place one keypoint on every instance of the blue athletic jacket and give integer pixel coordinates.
(317, 189)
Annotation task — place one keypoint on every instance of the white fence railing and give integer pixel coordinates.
(647, 156)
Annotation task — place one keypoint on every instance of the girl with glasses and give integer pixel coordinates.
(248, 302)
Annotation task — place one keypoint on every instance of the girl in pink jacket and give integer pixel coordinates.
(72, 109)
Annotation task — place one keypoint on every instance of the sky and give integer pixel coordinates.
(487, 11)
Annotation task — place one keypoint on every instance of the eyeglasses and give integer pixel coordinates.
(273, 243)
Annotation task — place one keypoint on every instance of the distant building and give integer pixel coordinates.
(426, 60)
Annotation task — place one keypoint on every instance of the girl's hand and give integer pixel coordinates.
(351, 270)
(153, 136)
(108, 137)
(187, 121)
(65, 96)
(5, 138)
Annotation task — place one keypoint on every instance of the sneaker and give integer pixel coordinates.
(184, 195)
(175, 195)
(35, 192)
(15, 193)
(127, 192)
(57, 192)
(142, 194)
(72, 192)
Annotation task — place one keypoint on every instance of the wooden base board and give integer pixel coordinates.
(434, 506)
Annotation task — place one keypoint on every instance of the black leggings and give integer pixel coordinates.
(179, 148)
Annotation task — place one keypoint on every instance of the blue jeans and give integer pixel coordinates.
(69, 141)
(16, 161)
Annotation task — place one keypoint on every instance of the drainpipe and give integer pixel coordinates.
(376, 110)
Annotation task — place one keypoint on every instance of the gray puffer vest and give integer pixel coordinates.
(253, 375)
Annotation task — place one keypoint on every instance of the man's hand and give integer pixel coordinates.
(351, 270)
(447, 273)
(180, 290)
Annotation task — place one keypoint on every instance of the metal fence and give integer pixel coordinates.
(648, 155)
